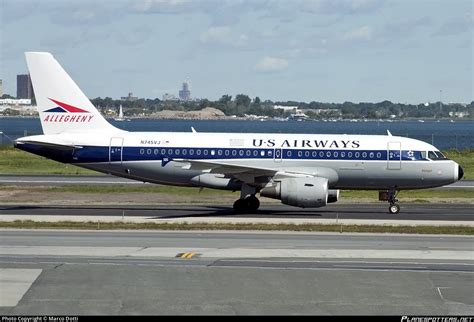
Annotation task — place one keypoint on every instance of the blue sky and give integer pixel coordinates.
(322, 50)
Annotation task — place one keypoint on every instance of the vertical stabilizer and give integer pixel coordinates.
(62, 106)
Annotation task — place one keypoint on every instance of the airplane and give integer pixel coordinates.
(301, 170)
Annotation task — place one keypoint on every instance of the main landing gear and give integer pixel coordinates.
(247, 203)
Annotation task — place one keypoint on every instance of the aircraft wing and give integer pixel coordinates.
(248, 174)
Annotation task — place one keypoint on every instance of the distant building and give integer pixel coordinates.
(129, 97)
(285, 108)
(169, 97)
(16, 102)
(185, 93)
(1, 88)
(24, 89)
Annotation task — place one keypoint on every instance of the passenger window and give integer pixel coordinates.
(198, 151)
(336, 154)
(300, 154)
(306, 154)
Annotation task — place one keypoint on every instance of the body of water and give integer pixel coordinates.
(444, 135)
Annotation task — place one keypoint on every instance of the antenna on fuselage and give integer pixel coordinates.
(192, 129)
(388, 133)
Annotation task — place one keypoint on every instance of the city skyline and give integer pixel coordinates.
(326, 51)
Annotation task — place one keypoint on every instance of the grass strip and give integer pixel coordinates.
(339, 228)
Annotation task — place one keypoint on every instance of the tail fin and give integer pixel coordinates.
(61, 104)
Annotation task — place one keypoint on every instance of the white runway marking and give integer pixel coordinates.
(14, 283)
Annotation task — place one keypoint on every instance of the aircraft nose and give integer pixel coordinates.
(460, 173)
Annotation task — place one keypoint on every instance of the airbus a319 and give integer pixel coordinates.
(301, 170)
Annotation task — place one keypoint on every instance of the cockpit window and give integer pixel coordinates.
(441, 156)
(436, 155)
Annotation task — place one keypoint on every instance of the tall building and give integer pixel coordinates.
(185, 93)
(129, 97)
(23, 87)
(1, 88)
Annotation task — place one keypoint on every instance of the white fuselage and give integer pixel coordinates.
(347, 161)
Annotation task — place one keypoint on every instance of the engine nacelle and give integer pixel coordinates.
(299, 192)
(333, 196)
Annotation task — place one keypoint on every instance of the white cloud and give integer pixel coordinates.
(363, 33)
(271, 64)
(341, 7)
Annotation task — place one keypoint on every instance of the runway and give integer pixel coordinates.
(130, 272)
(362, 213)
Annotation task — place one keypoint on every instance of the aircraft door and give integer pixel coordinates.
(115, 150)
(394, 156)
(277, 154)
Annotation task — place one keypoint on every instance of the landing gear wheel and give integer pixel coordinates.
(247, 205)
(394, 209)
(252, 203)
(240, 206)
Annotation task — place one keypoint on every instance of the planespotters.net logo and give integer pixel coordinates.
(65, 113)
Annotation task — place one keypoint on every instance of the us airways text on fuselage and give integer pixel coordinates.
(354, 144)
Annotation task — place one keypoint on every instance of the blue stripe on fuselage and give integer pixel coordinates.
(97, 154)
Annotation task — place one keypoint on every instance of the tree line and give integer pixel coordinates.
(242, 105)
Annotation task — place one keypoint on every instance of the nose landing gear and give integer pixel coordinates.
(391, 197)
(394, 207)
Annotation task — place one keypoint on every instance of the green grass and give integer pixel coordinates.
(142, 188)
(417, 195)
(28, 224)
(13, 161)
(412, 195)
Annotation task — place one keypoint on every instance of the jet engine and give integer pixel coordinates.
(308, 192)
(333, 196)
